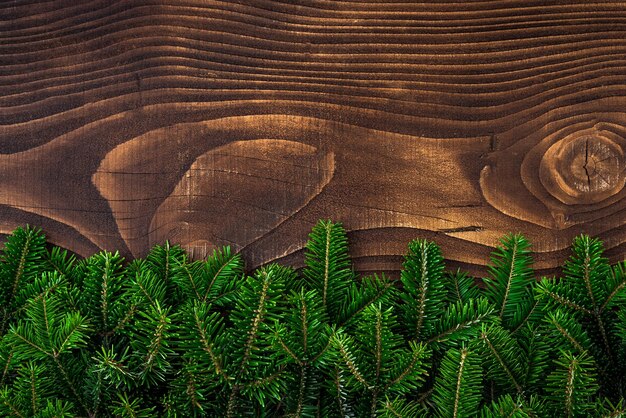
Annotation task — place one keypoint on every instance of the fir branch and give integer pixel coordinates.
(127, 408)
(206, 345)
(211, 280)
(157, 346)
(613, 295)
(20, 263)
(511, 279)
(342, 406)
(19, 271)
(341, 342)
(548, 288)
(536, 306)
(162, 261)
(457, 391)
(535, 357)
(192, 392)
(422, 299)
(143, 291)
(287, 350)
(125, 320)
(42, 286)
(586, 278)
(378, 352)
(73, 329)
(256, 321)
(587, 270)
(113, 368)
(231, 407)
(504, 406)
(33, 381)
(169, 337)
(423, 287)
(327, 346)
(412, 367)
(264, 381)
(305, 323)
(569, 389)
(17, 335)
(399, 408)
(71, 385)
(8, 405)
(460, 319)
(569, 329)
(186, 270)
(460, 287)
(301, 391)
(229, 265)
(571, 384)
(102, 289)
(303, 333)
(373, 290)
(327, 266)
(60, 262)
(7, 362)
(390, 408)
(501, 348)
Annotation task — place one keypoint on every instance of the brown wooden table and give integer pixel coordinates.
(209, 123)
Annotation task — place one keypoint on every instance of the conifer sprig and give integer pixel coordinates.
(509, 286)
(457, 392)
(423, 288)
(328, 269)
(21, 261)
(167, 336)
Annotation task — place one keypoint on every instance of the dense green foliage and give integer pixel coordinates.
(168, 336)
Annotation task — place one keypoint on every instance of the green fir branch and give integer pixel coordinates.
(168, 336)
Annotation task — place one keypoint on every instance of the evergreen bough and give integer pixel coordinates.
(172, 337)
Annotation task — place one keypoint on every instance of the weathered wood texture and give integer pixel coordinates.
(126, 123)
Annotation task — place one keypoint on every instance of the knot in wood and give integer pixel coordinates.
(583, 168)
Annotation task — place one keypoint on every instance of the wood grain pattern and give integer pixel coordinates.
(125, 123)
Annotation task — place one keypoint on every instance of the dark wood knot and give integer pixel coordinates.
(584, 168)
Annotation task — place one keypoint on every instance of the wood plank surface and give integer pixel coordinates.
(208, 123)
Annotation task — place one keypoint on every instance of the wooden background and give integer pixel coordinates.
(126, 123)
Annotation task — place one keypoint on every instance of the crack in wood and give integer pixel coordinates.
(586, 162)
(470, 228)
